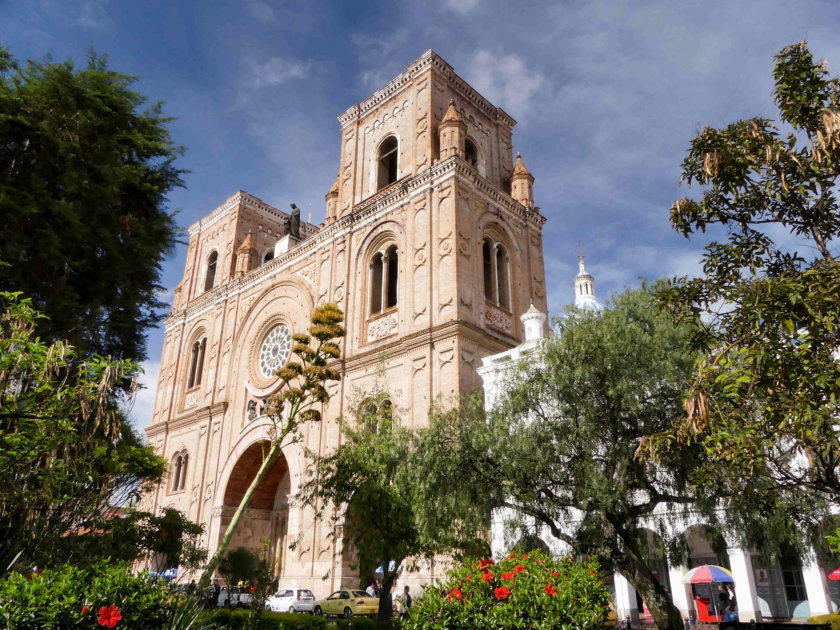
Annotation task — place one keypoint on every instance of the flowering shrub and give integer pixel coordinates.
(102, 595)
(532, 591)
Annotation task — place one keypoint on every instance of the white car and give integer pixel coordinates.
(291, 600)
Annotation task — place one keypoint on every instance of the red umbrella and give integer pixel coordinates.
(834, 575)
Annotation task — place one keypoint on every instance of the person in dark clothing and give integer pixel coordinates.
(406, 601)
(377, 588)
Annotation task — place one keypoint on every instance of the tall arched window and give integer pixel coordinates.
(179, 471)
(386, 162)
(196, 363)
(496, 265)
(384, 280)
(210, 276)
(471, 153)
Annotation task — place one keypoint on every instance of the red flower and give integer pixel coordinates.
(85, 610)
(550, 589)
(109, 616)
(524, 557)
(512, 556)
(253, 588)
(554, 574)
(501, 592)
(455, 594)
(469, 578)
(508, 576)
(519, 568)
(486, 563)
(487, 576)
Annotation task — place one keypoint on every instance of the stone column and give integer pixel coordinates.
(816, 585)
(681, 593)
(625, 599)
(746, 595)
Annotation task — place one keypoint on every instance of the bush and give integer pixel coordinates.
(239, 619)
(72, 597)
(532, 591)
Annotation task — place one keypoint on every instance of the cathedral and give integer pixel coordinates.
(432, 248)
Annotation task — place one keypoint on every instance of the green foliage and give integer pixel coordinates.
(768, 387)
(365, 623)
(239, 565)
(67, 454)
(559, 447)
(297, 399)
(71, 597)
(239, 620)
(530, 591)
(84, 175)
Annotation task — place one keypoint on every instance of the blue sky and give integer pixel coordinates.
(607, 95)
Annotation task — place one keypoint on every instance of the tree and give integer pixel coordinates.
(765, 397)
(84, 176)
(67, 455)
(366, 488)
(559, 447)
(301, 388)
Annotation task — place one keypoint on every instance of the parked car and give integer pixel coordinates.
(291, 600)
(347, 603)
(833, 619)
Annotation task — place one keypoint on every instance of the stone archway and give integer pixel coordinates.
(268, 514)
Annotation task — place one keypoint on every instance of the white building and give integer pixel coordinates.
(793, 588)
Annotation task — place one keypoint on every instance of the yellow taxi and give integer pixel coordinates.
(833, 619)
(347, 603)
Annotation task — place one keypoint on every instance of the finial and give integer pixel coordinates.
(531, 300)
(451, 101)
(580, 250)
(518, 154)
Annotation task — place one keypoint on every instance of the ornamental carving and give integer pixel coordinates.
(497, 318)
(308, 273)
(191, 399)
(382, 327)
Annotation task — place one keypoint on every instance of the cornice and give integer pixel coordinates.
(382, 202)
(427, 60)
(241, 197)
(191, 417)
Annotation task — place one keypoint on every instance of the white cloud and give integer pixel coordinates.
(277, 70)
(504, 80)
(262, 11)
(461, 6)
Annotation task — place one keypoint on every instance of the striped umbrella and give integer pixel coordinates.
(707, 574)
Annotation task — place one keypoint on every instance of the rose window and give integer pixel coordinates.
(275, 350)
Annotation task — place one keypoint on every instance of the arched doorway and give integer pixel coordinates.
(267, 516)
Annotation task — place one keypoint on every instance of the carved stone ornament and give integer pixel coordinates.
(308, 273)
(497, 318)
(191, 399)
(382, 327)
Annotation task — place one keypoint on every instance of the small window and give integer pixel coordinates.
(387, 162)
(269, 255)
(210, 276)
(179, 471)
(471, 153)
(196, 363)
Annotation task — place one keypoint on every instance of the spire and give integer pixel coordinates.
(584, 285)
(246, 255)
(522, 183)
(332, 202)
(247, 244)
(452, 114)
(534, 322)
(452, 133)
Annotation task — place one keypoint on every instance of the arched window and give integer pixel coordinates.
(386, 162)
(502, 279)
(471, 153)
(496, 266)
(384, 280)
(196, 363)
(374, 411)
(269, 255)
(210, 276)
(179, 471)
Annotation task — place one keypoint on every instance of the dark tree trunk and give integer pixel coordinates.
(385, 611)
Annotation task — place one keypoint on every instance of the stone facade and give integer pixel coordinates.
(425, 250)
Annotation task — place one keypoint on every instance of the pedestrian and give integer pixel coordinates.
(217, 590)
(731, 613)
(406, 601)
(371, 589)
(723, 599)
(377, 587)
(191, 587)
